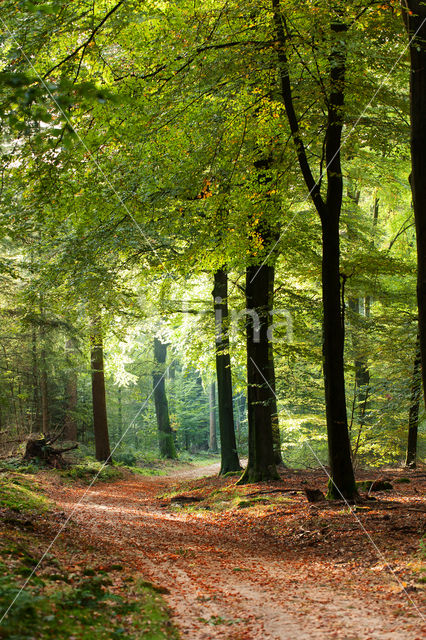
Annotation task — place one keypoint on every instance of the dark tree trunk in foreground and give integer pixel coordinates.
(100, 421)
(260, 395)
(165, 433)
(343, 480)
(228, 447)
(342, 475)
(212, 406)
(413, 417)
(415, 22)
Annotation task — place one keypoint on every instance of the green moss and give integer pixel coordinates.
(93, 472)
(86, 609)
(364, 485)
(20, 494)
(333, 492)
(379, 485)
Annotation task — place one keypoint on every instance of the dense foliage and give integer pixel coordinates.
(131, 139)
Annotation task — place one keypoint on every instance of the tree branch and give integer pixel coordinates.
(85, 44)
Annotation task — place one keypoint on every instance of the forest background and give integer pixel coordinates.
(146, 151)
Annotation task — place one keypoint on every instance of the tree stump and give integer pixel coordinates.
(41, 449)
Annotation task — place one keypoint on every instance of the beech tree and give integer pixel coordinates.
(100, 420)
(329, 210)
(228, 445)
(414, 14)
(165, 433)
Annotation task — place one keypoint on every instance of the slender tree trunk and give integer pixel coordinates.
(36, 422)
(44, 393)
(413, 418)
(276, 435)
(362, 372)
(70, 422)
(414, 12)
(165, 434)
(212, 407)
(100, 421)
(228, 447)
(260, 396)
(202, 433)
(44, 388)
(120, 415)
(342, 475)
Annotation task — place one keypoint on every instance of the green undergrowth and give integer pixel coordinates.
(219, 494)
(21, 493)
(83, 606)
(92, 471)
(86, 470)
(55, 598)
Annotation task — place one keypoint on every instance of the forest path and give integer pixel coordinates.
(230, 582)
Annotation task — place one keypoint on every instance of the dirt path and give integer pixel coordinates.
(229, 582)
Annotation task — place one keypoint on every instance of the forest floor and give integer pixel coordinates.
(259, 561)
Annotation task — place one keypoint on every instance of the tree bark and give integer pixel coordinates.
(276, 435)
(36, 418)
(165, 433)
(342, 480)
(260, 396)
(44, 388)
(120, 415)
(362, 372)
(414, 13)
(413, 417)
(100, 421)
(228, 447)
(212, 406)
(70, 422)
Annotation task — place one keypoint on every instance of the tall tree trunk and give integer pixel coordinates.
(342, 476)
(165, 433)
(228, 447)
(70, 422)
(100, 421)
(276, 436)
(36, 417)
(362, 372)
(339, 450)
(44, 393)
(120, 415)
(414, 12)
(212, 407)
(260, 395)
(413, 417)
(44, 387)
(202, 433)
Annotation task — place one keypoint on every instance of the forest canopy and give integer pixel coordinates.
(208, 231)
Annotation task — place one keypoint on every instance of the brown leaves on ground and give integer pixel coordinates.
(260, 561)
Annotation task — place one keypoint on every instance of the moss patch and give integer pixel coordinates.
(20, 493)
(82, 607)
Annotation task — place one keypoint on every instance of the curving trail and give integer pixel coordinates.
(228, 583)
